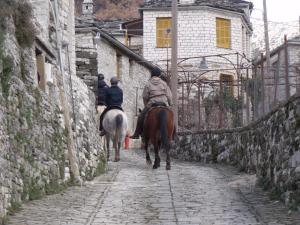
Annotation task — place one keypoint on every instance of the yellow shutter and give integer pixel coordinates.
(163, 39)
(223, 31)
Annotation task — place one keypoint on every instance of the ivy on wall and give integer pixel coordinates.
(21, 13)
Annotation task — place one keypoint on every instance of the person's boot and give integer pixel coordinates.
(138, 128)
(102, 133)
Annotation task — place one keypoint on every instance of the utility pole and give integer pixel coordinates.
(174, 71)
(267, 43)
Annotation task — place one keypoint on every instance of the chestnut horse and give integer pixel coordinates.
(159, 130)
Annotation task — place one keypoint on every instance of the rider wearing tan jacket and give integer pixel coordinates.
(156, 92)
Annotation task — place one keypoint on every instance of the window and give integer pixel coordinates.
(243, 39)
(227, 82)
(223, 30)
(163, 32)
(40, 65)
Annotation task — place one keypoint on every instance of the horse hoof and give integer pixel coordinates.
(155, 167)
(168, 167)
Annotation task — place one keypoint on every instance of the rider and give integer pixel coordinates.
(156, 92)
(101, 90)
(114, 100)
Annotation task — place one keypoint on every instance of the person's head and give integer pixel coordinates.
(100, 76)
(155, 72)
(114, 81)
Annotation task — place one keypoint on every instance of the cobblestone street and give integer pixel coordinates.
(133, 193)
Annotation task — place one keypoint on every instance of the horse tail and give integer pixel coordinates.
(119, 122)
(163, 121)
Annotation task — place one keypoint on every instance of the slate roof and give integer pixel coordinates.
(232, 5)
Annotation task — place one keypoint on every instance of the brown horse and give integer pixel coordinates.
(159, 130)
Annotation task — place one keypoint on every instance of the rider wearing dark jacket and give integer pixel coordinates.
(101, 90)
(113, 99)
(114, 96)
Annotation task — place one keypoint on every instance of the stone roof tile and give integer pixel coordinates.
(234, 5)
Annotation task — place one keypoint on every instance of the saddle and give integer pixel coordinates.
(115, 107)
(156, 105)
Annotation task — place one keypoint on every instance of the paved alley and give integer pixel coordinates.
(133, 193)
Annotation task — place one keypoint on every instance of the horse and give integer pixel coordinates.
(115, 125)
(159, 130)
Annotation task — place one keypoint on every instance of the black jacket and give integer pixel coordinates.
(114, 96)
(101, 92)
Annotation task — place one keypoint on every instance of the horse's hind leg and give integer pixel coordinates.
(118, 149)
(157, 158)
(148, 159)
(107, 145)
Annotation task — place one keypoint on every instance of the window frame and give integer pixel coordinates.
(230, 81)
(163, 45)
(224, 45)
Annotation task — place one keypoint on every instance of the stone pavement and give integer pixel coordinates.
(132, 193)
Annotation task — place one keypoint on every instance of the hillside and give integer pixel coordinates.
(276, 33)
(114, 9)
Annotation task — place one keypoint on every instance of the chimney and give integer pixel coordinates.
(186, 2)
(87, 7)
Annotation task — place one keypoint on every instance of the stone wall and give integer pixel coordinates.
(269, 147)
(34, 159)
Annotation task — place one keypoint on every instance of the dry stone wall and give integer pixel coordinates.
(270, 147)
(33, 139)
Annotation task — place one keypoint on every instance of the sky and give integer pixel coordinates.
(278, 10)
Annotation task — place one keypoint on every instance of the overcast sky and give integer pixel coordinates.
(278, 10)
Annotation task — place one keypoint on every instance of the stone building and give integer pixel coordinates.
(49, 137)
(284, 78)
(97, 51)
(213, 43)
(205, 27)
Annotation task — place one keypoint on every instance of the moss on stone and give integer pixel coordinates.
(35, 191)
(53, 187)
(100, 167)
(25, 30)
(31, 190)
(14, 207)
(4, 220)
(275, 194)
(20, 137)
(6, 75)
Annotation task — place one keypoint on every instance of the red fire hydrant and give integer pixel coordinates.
(127, 141)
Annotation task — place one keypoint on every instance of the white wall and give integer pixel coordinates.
(133, 77)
